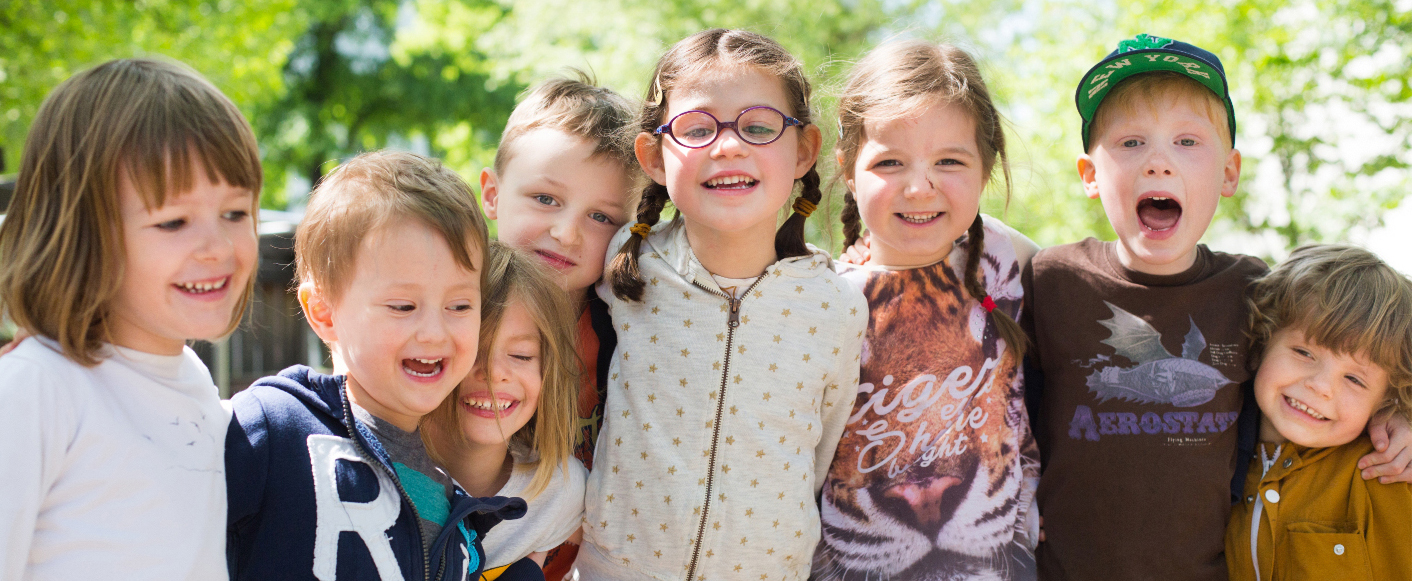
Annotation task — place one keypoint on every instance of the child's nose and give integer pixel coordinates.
(728, 144)
(216, 243)
(432, 328)
(566, 231)
(1157, 164)
(919, 185)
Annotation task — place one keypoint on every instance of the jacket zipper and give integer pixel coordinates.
(416, 519)
(732, 321)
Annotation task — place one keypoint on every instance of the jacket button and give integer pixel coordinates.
(1288, 462)
(1272, 496)
(1338, 549)
(1250, 499)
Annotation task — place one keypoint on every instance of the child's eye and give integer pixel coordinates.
(760, 131)
(171, 225)
(888, 163)
(950, 161)
(461, 308)
(1132, 143)
(1302, 352)
(546, 199)
(236, 215)
(522, 356)
(600, 217)
(1187, 142)
(1356, 381)
(402, 307)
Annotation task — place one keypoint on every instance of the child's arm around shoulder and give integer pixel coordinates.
(1392, 437)
(37, 423)
(842, 382)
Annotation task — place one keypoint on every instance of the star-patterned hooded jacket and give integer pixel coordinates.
(722, 418)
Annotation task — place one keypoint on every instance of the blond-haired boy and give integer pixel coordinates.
(327, 475)
(560, 188)
(1332, 329)
(1141, 341)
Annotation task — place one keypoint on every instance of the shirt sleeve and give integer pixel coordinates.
(568, 506)
(842, 384)
(247, 458)
(36, 426)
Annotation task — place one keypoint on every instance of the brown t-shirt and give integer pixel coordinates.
(1136, 420)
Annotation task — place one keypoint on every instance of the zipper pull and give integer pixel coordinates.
(735, 312)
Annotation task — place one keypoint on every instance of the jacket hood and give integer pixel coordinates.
(320, 393)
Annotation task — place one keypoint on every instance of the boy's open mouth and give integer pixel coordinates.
(736, 182)
(1159, 214)
(422, 367)
(1299, 405)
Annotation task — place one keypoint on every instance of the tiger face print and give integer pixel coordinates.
(927, 482)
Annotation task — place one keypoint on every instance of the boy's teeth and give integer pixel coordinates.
(1296, 404)
(422, 367)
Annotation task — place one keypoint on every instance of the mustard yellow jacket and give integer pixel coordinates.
(1318, 519)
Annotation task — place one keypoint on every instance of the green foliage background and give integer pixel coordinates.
(1322, 89)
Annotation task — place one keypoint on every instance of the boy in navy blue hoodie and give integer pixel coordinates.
(326, 474)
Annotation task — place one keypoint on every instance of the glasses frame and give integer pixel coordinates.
(722, 126)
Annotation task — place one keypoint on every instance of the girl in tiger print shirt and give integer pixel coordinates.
(935, 475)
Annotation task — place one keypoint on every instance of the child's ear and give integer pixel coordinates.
(318, 312)
(811, 140)
(649, 156)
(1088, 174)
(489, 193)
(1232, 174)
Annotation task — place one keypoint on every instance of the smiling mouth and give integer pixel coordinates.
(199, 288)
(484, 407)
(919, 217)
(422, 367)
(1159, 214)
(1299, 405)
(555, 260)
(731, 183)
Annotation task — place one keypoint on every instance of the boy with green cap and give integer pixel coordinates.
(1137, 380)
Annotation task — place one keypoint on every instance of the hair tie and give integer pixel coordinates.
(641, 229)
(988, 304)
(804, 207)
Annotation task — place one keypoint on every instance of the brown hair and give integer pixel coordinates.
(366, 193)
(512, 275)
(1149, 88)
(700, 52)
(61, 245)
(901, 79)
(578, 107)
(1345, 299)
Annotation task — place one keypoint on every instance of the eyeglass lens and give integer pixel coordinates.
(758, 126)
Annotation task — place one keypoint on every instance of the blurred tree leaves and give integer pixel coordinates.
(239, 46)
(1321, 87)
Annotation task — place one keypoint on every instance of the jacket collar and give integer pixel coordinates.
(669, 244)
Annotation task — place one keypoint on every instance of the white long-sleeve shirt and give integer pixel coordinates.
(114, 471)
(716, 438)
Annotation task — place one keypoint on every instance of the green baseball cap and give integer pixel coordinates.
(1145, 53)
